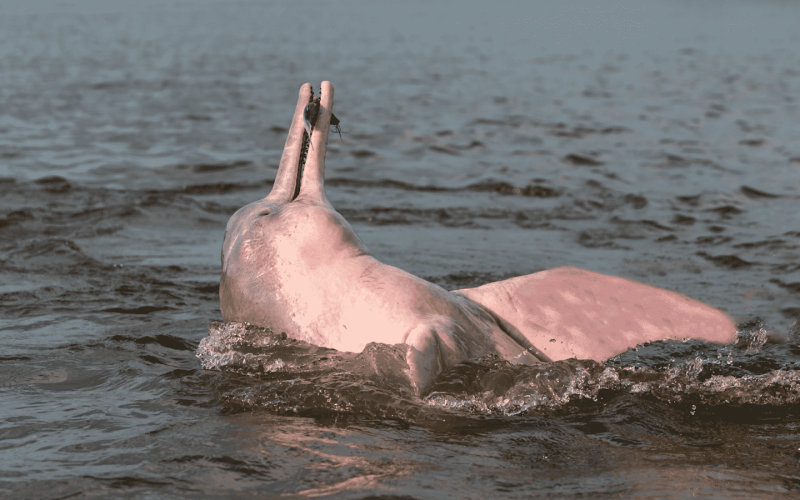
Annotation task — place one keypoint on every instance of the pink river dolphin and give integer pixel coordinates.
(292, 263)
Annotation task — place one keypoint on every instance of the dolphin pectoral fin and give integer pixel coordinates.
(423, 357)
(284, 187)
(568, 312)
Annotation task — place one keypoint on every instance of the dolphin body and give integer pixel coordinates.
(292, 263)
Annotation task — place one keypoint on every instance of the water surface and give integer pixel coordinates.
(652, 140)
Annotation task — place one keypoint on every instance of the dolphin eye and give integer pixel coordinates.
(264, 212)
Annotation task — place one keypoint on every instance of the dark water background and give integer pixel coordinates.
(654, 140)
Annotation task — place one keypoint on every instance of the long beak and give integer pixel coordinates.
(284, 187)
(312, 187)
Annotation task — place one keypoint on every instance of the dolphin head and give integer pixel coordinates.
(277, 248)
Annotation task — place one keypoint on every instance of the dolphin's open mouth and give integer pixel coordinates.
(310, 115)
(301, 164)
(301, 172)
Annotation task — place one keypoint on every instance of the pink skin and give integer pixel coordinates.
(296, 266)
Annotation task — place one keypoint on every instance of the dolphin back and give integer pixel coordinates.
(573, 313)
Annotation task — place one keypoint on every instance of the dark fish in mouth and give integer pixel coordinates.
(310, 115)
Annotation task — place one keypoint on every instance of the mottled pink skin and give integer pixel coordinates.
(573, 313)
(296, 266)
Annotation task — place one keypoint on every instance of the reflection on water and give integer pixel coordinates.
(651, 140)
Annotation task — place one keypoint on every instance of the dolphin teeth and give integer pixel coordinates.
(307, 139)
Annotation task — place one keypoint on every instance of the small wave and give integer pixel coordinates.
(536, 190)
(727, 261)
(52, 254)
(581, 160)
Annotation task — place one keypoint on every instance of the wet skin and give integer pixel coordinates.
(294, 264)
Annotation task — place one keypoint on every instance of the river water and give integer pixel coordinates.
(654, 140)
